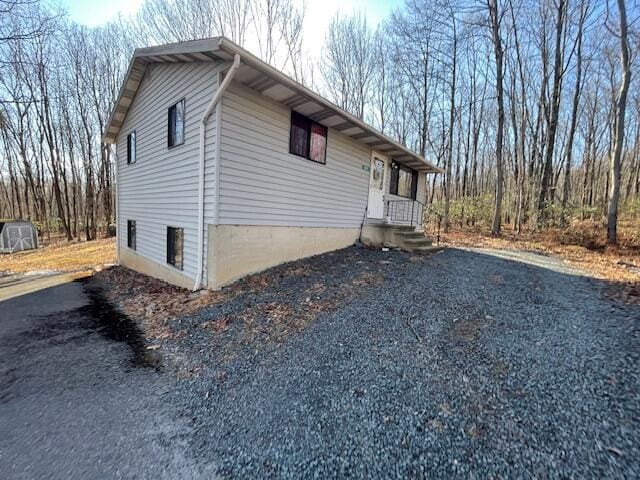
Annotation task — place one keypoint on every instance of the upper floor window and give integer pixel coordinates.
(307, 138)
(175, 124)
(131, 147)
(404, 181)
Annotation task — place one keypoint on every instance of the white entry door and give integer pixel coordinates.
(375, 208)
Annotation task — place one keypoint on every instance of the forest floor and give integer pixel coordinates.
(582, 245)
(61, 257)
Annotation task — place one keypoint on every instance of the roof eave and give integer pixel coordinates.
(250, 59)
(226, 49)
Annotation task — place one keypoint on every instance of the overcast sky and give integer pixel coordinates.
(318, 12)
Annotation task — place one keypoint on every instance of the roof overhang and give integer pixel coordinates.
(258, 75)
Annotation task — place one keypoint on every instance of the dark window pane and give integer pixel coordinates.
(180, 122)
(131, 234)
(170, 246)
(299, 136)
(179, 248)
(175, 242)
(131, 147)
(393, 187)
(414, 185)
(318, 147)
(404, 183)
(175, 124)
(171, 126)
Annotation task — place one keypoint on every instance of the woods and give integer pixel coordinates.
(528, 106)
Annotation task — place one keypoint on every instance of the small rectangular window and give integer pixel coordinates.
(131, 147)
(175, 245)
(175, 124)
(131, 234)
(307, 139)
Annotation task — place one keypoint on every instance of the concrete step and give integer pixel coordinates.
(404, 228)
(408, 235)
(418, 242)
(427, 250)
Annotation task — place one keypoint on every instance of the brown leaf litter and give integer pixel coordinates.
(155, 303)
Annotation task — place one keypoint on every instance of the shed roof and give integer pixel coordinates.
(260, 76)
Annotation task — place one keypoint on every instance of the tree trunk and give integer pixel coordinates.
(621, 105)
(498, 53)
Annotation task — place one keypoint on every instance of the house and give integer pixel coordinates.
(226, 166)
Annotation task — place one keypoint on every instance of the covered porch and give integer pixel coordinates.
(397, 192)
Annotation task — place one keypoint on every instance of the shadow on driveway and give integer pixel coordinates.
(79, 395)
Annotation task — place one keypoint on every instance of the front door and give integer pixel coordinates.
(375, 208)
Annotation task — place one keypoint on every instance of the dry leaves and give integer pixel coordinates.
(153, 301)
(61, 257)
(582, 245)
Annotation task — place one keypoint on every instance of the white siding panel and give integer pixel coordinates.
(161, 188)
(262, 184)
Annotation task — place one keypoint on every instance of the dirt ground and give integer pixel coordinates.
(61, 257)
(581, 245)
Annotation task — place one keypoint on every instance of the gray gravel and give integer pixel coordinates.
(358, 363)
(457, 365)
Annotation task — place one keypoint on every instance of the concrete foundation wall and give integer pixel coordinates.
(130, 259)
(237, 250)
(376, 236)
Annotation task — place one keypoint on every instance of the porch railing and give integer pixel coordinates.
(416, 214)
(406, 212)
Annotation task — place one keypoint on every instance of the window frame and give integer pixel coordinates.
(395, 181)
(171, 135)
(132, 240)
(309, 130)
(131, 159)
(171, 247)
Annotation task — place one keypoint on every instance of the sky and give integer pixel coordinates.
(318, 12)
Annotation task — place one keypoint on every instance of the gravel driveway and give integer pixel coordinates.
(370, 364)
(358, 363)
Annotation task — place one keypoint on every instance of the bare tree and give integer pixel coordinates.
(495, 19)
(619, 125)
(349, 62)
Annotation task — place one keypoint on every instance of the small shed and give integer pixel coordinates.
(17, 235)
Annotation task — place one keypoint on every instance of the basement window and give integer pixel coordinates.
(131, 234)
(307, 138)
(131, 148)
(404, 181)
(175, 246)
(175, 124)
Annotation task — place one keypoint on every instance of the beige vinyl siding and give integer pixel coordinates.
(161, 188)
(261, 183)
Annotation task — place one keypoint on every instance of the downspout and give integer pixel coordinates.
(117, 209)
(203, 130)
